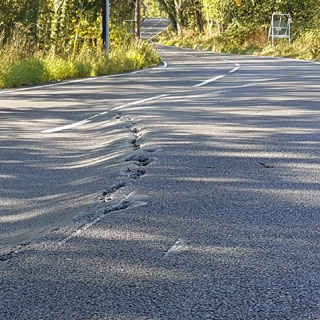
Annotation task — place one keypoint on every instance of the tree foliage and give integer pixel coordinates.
(152, 9)
(68, 23)
(193, 14)
(61, 23)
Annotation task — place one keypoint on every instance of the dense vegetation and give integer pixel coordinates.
(241, 26)
(48, 40)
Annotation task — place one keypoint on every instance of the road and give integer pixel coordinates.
(189, 191)
(151, 27)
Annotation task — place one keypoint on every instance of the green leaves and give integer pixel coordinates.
(305, 13)
(49, 40)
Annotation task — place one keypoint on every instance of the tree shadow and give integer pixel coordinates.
(235, 181)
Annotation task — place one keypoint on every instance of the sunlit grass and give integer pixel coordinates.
(22, 63)
(249, 40)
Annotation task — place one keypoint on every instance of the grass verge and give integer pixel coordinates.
(249, 39)
(23, 65)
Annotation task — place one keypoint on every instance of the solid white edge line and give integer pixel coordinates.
(43, 86)
(164, 65)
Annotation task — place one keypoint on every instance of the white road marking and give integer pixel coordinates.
(179, 246)
(222, 91)
(203, 83)
(93, 117)
(58, 84)
(88, 120)
(165, 64)
(45, 86)
(236, 68)
(69, 126)
(139, 102)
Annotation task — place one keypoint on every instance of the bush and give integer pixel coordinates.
(57, 68)
(38, 67)
(309, 44)
(143, 54)
(249, 39)
(83, 69)
(26, 72)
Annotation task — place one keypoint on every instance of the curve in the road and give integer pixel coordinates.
(165, 65)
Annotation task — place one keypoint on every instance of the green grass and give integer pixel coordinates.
(22, 64)
(248, 40)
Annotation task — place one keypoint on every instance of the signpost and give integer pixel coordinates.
(280, 27)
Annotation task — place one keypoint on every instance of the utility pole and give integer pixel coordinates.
(138, 19)
(105, 24)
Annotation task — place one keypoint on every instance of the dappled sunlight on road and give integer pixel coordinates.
(224, 215)
(46, 180)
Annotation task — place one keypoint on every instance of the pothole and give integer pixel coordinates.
(135, 144)
(133, 173)
(108, 194)
(138, 174)
(137, 133)
(139, 159)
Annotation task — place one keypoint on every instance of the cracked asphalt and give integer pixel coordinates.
(198, 202)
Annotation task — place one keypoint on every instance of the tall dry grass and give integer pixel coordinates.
(249, 39)
(22, 63)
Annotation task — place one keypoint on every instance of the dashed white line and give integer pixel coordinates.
(66, 127)
(179, 246)
(139, 102)
(222, 91)
(203, 83)
(236, 68)
(88, 120)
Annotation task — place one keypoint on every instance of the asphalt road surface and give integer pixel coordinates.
(151, 27)
(189, 191)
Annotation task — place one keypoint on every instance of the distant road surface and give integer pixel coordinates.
(188, 191)
(151, 27)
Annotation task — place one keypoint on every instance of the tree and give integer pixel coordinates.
(138, 19)
(183, 13)
(195, 14)
(152, 9)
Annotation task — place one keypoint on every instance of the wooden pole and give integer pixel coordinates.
(105, 24)
(138, 19)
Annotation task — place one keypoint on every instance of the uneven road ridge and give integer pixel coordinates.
(188, 191)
